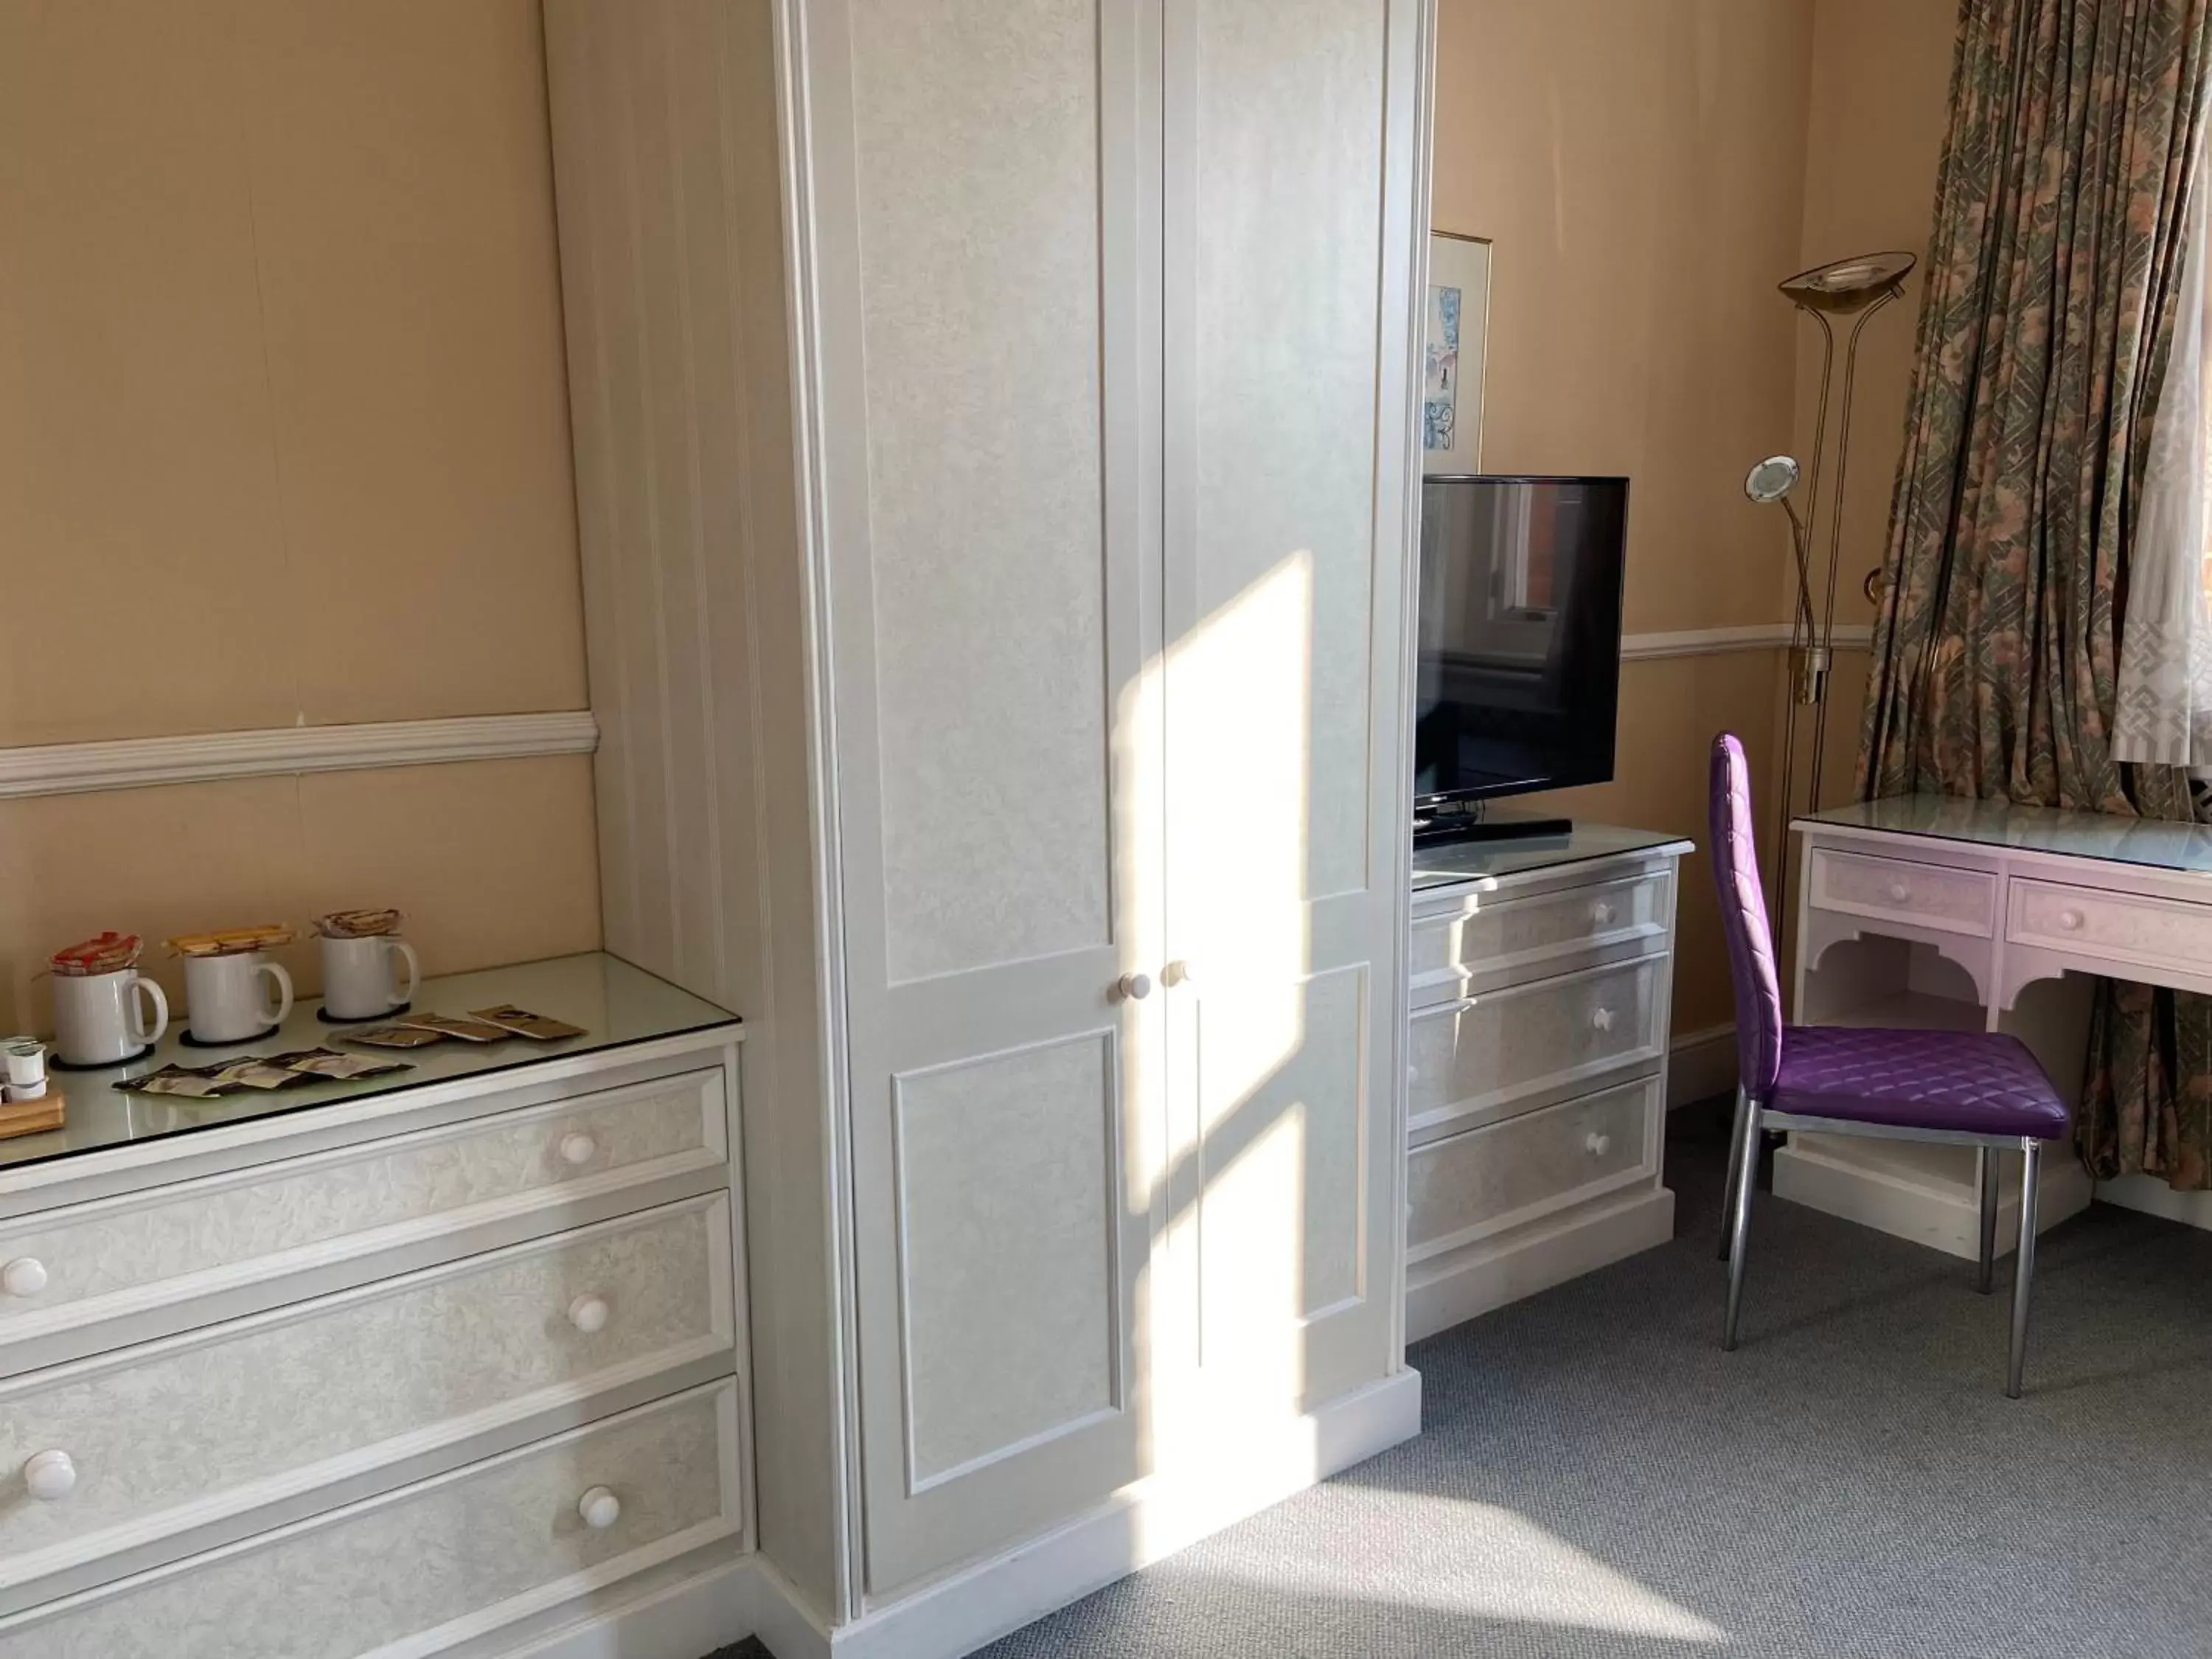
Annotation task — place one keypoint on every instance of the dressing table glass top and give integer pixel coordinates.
(2151, 842)
(1471, 861)
(615, 1004)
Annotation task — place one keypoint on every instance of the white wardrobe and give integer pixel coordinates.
(995, 443)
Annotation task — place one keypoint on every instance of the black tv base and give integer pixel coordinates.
(1447, 824)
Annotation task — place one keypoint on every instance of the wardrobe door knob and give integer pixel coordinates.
(588, 1314)
(578, 1148)
(1135, 986)
(1597, 1145)
(50, 1474)
(1601, 1019)
(600, 1509)
(25, 1276)
(1179, 973)
(2071, 921)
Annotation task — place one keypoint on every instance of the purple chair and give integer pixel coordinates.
(1960, 1088)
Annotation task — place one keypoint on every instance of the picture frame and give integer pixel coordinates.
(1455, 338)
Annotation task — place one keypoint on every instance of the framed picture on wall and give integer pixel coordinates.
(1457, 326)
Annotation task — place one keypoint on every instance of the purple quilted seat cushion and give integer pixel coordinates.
(1982, 1083)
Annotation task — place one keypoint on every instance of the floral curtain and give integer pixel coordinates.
(2055, 272)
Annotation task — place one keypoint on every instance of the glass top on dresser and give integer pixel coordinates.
(2152, 842)
(616, 1005)
(1470, 860)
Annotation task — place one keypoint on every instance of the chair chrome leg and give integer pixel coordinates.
(1986, 1163)
(1735, 1163)
(2024, 1268)
(1740, 1217)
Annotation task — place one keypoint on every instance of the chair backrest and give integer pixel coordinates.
(1743, 917)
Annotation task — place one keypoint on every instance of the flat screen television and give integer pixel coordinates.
(1518, 664)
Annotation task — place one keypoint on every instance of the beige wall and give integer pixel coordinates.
(493, 862)
(1640, 166)
(1880, 98)
(283, 441)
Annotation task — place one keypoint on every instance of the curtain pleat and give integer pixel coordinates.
(2054, 273)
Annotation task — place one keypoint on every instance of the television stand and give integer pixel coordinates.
(1466, 820)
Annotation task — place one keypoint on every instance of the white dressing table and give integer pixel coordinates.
(1935, 912)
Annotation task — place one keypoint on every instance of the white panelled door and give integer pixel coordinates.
(1114, 502)
(1290, 215)
(980, 173)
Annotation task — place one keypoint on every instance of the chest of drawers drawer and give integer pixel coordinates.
(1498, 1053)
(85, 1278)
(230, 1429)
(420, 1569)
(1485, 1179)
(1487, 939)
(1933, 896)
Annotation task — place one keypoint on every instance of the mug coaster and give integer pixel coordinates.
(55, 1062)
(191, 1041)
(329, 1018)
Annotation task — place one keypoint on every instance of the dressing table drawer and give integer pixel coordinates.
(1485, 1179)
(422, 1569)
(235, 1428)
(1488, 1056)
(1938, 896)
(93, 1276)
(2121, 928)
(1489, 939)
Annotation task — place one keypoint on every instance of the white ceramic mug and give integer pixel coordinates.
(223, 999)
(25, 1059)
(358, 976)
(99, 1019)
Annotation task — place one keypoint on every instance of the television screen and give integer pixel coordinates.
(1519, 657)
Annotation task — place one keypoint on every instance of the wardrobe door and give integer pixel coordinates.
(1292, 228)
(979, 174)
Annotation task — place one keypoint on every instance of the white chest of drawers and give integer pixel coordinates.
(1543, 979)
(443, 1363)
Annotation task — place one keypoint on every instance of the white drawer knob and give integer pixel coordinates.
(2071, 921)
(1135, 986)
(578, 1148)
(1601, 913)
(1597, 1145)
(1601, 1019)
(600, 1509)
(1899, 891)
(25, 1276)
(588, 1314)
(50, 1474)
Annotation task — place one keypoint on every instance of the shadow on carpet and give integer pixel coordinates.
(1595, 1478)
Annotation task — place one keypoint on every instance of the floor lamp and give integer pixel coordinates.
(1848, 288)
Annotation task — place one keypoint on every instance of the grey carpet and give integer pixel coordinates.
(1594, 1477)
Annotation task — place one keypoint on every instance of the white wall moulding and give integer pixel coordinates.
(65, 768)
(1720, 641)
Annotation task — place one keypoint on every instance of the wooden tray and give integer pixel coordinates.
(31, 1117)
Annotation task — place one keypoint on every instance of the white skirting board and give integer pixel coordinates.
(2153, 1197)
(958, 1614)
(688, 1619)
(1700, 1065)
(1838, 1176)
(1448, 1290)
